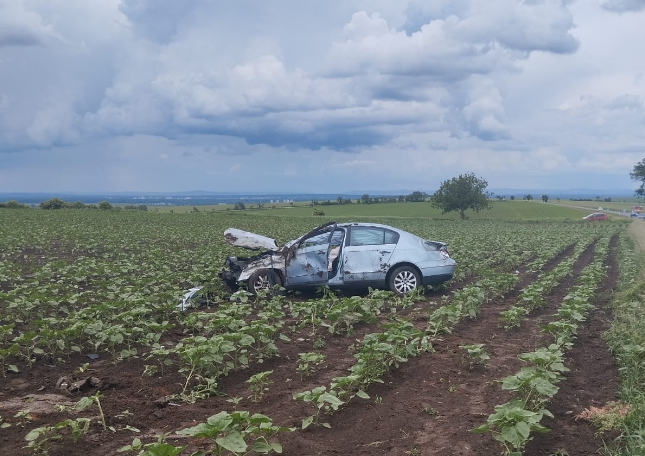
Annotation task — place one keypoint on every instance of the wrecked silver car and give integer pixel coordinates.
(339, 255)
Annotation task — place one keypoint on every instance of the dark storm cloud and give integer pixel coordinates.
(18, 37)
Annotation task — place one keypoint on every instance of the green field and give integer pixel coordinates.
(505, 210)
(107, 282)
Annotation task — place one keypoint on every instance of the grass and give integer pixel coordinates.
(626, 339)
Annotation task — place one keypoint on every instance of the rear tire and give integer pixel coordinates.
(404, 279)
(260, 280)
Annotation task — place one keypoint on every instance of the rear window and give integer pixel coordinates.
(369, 235)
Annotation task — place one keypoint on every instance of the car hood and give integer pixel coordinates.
(251, 241)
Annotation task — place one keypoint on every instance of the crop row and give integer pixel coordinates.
(533, 387)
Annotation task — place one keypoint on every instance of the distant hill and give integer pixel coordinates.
(553, 193)
(204, 197)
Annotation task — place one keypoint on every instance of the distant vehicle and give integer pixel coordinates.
(595, 216)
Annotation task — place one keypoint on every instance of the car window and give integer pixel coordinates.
(318, 239)
(369, 235)
(337, 238)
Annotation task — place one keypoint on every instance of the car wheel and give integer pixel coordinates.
(260, 280)
(404, 279)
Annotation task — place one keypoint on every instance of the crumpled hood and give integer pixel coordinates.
(251, 241)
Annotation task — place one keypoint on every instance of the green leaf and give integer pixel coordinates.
(33, 435)
(480, 429)
(261, 447)
(516, 435)
(327, 425)
(232, 442)
(161, 449)
(544, 387)
(307, 421)
(277, 447)
(331, 399)
(362, 394)
(220, 421)
(83, 403)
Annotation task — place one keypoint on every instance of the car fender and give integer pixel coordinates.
(268, 262)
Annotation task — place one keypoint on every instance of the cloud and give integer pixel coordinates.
(374, 84)
(627, 101)
(624, 6)
(484, 112)
(521, 26)
(406, 90)
(157, 20)
(22, 27)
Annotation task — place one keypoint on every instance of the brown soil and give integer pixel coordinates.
(425, 407)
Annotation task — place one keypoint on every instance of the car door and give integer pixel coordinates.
(367, 253)
(308, 264)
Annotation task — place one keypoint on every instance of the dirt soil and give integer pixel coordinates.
(426, 407)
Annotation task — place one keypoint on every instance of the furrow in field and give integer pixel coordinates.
(591, 382)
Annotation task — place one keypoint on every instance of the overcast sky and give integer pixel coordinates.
(319, 96)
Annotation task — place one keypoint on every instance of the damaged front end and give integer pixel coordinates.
(234, 267)
(239, 269)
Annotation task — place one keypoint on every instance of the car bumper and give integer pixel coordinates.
(437, 274)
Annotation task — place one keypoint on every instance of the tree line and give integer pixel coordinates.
(57, 203)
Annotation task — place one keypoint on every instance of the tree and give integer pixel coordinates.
(528, 197)
(104, 206)
(416, 197)
(365, 199)
(512, 197)
(638, 174)
(54, 203)
(545, 198)
(462, 193)
(13, 204)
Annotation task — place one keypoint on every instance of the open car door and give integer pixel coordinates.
(307, 263)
